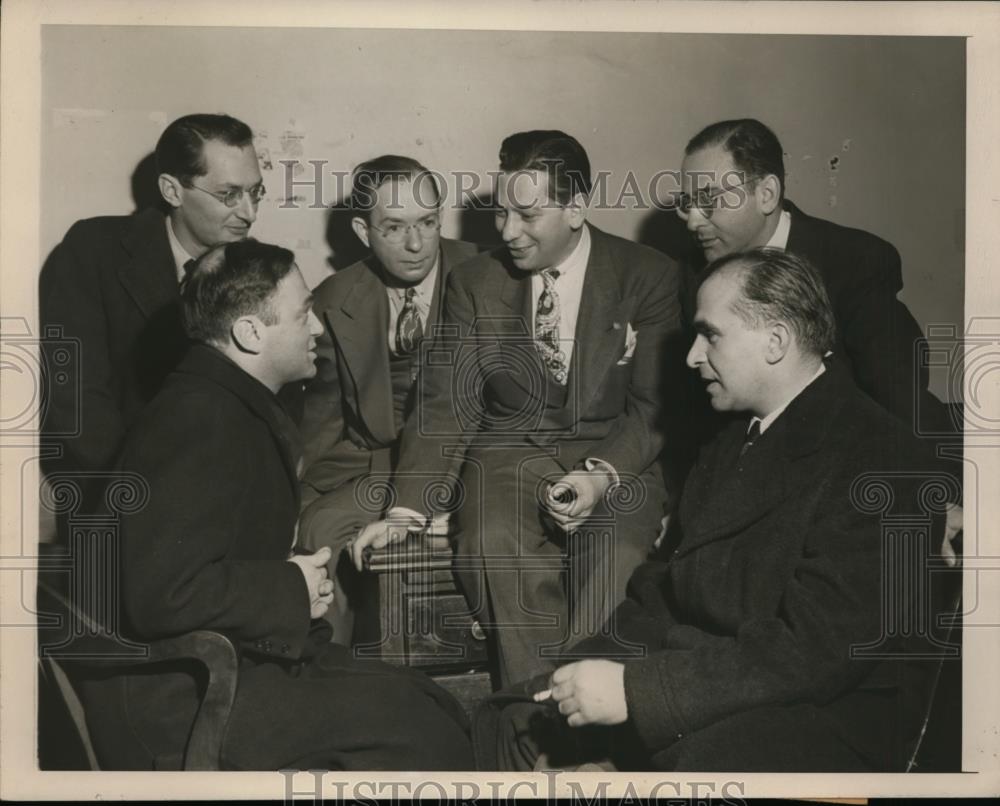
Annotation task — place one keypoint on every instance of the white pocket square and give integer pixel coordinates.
(630, 339)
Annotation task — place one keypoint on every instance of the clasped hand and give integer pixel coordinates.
(571, 500)
(313, 568)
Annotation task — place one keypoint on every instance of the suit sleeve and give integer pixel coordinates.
(636, 437)
(178, 575)
(449, 410)
(322, 424)
(802, 653)
(84, 414)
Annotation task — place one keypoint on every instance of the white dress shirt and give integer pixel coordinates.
(779, 239)
(569, 287)
(181, 255)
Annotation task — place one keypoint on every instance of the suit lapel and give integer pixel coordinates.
(367, 358)
(726, 494)
(600, 324)
(150, 275)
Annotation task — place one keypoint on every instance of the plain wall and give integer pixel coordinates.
(890, 109)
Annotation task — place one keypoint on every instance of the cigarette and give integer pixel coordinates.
(542, 696)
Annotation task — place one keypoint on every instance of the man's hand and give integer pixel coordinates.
(589, 692)
(379, 534)
(570, 500)
(953, 525)
(313, 568)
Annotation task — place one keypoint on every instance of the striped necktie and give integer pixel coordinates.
(751, 436)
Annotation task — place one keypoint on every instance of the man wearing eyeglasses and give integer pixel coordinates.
(376, 312)
(113, 283)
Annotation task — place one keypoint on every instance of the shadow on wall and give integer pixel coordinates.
(145, 190)
(665, 232)
(345, 248)
(478, 223)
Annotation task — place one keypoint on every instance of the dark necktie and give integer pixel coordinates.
(751, 436)
(409, 328)
(547, 316)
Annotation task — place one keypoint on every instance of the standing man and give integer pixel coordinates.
(376, 312)
(213, 549)
(113, 282)
(760, 629)
(549, 389)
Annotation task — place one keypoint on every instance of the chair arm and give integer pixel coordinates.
(221, 658)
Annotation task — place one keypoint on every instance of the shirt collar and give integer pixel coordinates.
(181, 255)
(766, 422)
(577, 259)
(425, 288)
(779, 239)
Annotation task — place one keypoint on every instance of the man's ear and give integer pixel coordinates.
(768, 193)
(170, 189)
(577, 210)
(360, 227)
(247, 333)
(779, 340)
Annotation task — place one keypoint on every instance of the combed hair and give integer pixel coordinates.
(754, 148)
(777, 286)
(229, 281)
(558, 154)
(180, 150)
(370, 175)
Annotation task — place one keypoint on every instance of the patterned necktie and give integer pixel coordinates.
(547, 328)
(751, 436)
(409, 328)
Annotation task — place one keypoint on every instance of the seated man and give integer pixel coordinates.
(375, 314)
(752, 624)
(544, 398)
(213, 549)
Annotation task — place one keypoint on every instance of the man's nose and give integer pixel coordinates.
(247, 209)
(510, 230)
(414, 240)
(315, 326)
(695, 219)
(696, 355)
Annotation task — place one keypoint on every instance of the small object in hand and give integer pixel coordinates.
(542, 696)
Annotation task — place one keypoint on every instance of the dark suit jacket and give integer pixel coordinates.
(111, 287)
(876, 333)
(347, 408)
(486, 378)
(777, 576)
(209, 551)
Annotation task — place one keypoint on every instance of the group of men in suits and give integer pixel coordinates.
(529, 382)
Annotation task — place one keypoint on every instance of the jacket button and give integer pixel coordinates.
(285, 648)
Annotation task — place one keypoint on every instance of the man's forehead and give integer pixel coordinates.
(406, 195)
(708, 166)
(523, 188)
(232, 164)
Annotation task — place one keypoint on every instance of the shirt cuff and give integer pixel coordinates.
(592, 464)
(419, 521)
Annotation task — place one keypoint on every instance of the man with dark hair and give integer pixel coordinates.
(540, 411)
(112, 284)
(760, 631)
(214, 548)
(376, 313)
